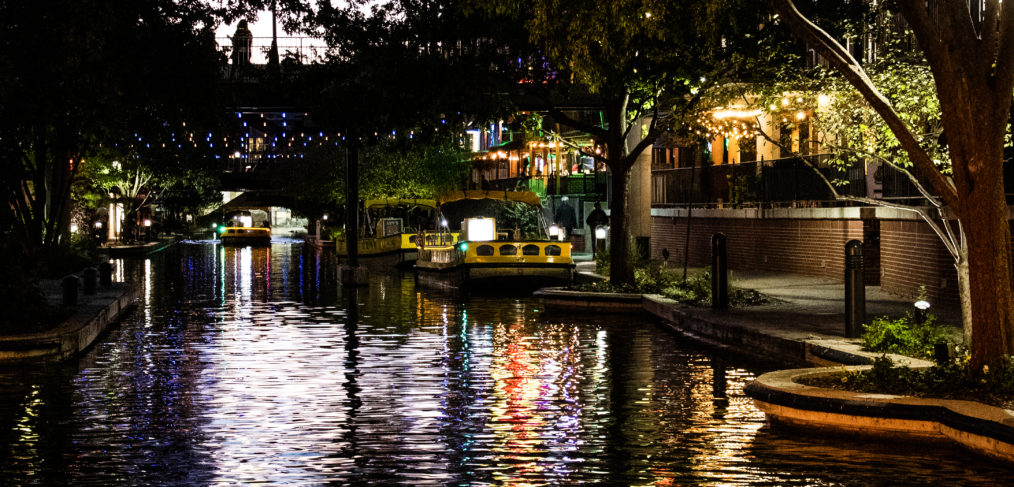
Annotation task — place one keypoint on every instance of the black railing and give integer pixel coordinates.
(781, 182)
(789, 182)
(589, 186)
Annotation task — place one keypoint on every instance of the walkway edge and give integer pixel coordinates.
(981, 428)
(78, 332)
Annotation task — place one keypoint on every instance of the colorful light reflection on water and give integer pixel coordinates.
(247, 365)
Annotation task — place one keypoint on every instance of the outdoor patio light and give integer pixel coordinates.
(147, 222)
(98, 224)
(600, 231)
(920, 311)
(554, 230)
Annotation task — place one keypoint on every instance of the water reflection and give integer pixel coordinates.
(247, 365)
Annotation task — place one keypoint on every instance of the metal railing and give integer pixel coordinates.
(779, 182)
(304, 49)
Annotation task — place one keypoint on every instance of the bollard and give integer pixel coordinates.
(719, 273)
(105, 274)
(855, 289)
(941, 354)
(70, 285)
(91, 278)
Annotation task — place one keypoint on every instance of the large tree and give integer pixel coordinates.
(646, 63)
(75, 75)
(970, 52)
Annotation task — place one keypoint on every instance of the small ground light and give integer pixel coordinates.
(554, 230)
(98, 224)
(147, 222)
(920, 311)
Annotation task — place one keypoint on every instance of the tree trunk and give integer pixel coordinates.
(621, 266)
(961, 266)
(985, 221)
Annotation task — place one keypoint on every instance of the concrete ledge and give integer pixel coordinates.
(831, 213)
(557, 298)
(978, 427)
(75, 334)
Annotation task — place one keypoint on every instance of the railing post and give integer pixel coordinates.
(855, 289)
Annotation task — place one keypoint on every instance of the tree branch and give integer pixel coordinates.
(1005, 44)
(854, 73)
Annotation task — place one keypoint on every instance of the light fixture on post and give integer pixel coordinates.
(920, 311)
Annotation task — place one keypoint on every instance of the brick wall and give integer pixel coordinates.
(900, 255)
(912, 255)
(797, 246)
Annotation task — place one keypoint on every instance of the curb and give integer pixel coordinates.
(75, 334)
(981, 428)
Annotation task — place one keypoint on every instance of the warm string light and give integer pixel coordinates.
(712, 126)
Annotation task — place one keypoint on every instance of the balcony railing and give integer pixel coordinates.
(778, 182)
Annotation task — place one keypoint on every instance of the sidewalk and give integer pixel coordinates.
(86, 322)
(806, 315)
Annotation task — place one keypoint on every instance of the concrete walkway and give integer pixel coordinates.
(801, 307)
(86, 321)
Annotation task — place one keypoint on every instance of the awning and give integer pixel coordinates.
(491, 194)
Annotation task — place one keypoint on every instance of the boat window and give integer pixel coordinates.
(553, 250)
(508, 250)
(530, 249)
(484, 250)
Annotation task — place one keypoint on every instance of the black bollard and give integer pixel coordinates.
(105, 274)
(70, 285)
(941, 354)
(719, 273)
(855, 289)
(91, 280)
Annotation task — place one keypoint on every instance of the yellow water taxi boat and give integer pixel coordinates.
(390, 233)
(235, 235)
(488, 254)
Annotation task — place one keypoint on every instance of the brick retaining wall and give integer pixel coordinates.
(907, 255)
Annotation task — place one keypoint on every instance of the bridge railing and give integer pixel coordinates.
(305, 49)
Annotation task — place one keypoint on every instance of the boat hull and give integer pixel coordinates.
(245, 236)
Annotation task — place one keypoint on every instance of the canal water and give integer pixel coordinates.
(248, 365)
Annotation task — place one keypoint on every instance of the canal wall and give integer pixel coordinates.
(88, 320)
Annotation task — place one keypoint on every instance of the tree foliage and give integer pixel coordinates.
(77, 75)
(969, 48)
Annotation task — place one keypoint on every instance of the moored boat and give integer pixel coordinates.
(388, 238)
(486, 254)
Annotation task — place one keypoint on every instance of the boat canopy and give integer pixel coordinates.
(383, 202)
(483, 194)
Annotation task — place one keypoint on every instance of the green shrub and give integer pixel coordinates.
(952, 379)
(905, 336)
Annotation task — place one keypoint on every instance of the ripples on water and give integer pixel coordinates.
(248, 366)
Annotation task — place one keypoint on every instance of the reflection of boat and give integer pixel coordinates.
(524, 256)
(244, 235)
(389, 237)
